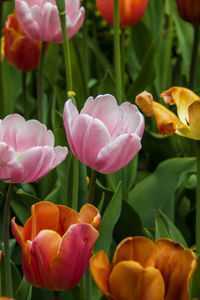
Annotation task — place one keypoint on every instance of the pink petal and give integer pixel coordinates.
(74, 254)
(118, 153)
(73, 28)
(89, 137)
(70, 114)
(133, 120)
(104, 108)
(42, 251)
(51, 22)
(10, 168)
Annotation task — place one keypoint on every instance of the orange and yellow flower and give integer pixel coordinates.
(144, 270)
(57, 243)
(188, 110)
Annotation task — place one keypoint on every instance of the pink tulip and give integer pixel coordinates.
(104, 136)
(57, 243)
(27, 150)
(39, 19)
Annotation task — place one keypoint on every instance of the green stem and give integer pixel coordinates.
(8, 275)
(24, 93)
(39, 83)
(198, 200)
(194, 56)
(88, 284)
(92, 186)
(1, 78)
(86, 49)
(56, 295)
(75, 184)
(66, 47)
(117, 52)
(123, 61)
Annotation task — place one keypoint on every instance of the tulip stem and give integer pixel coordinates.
(1, 78)
(66, 47)
(198, 200)
(86, 49)
(117, 53)
(194, 56)
(24, 93)
(56, 295)
(75, 184)
(6, 221)
(39, 83)
(92, 186)
(123, 61)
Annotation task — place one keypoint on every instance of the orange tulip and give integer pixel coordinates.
(57, 243)
(131, 11)
(144, 270)
(188, 109)
(6, 298)
(20, 51)
(189, 10)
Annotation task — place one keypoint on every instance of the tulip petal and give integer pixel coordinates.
(51, 22)
(139, 249)
(73, 257)
(70, 114)
(89, 214)
(10, 168)
(177, 266)
(42, 251)
(45, 215)
(129, 280)
(104, 108)
(67, 217)
(194, 113)
(89, 137)
(118, 153)
(73, 27)
(100, 268)
(18, 232)
(183, 98)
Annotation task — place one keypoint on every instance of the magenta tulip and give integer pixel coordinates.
(57, 243)
(104, 136)
(27, 150)
(39, 19)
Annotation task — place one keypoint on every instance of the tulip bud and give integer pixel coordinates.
(21, 51)
(189, 10)
(131, 11)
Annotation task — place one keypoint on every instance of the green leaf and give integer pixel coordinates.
(107, 84)
(195, 286)
(160, 229)
(110, 217)
(157, 190)
(24, 291)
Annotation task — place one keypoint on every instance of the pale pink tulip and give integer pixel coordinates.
(27, 150)
(39, 19)
(104, 136)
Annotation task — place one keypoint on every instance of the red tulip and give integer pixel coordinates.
(21, 51)
(131, 11)
(189, 10)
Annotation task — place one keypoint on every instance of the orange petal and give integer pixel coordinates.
(100, 268)
(183, 98)
(18, 232)
(167, 122)
(194, 113)
(68, 216)
(139, 249)
(177, 266)
(45, 215)
(89, 214)
(129, 280)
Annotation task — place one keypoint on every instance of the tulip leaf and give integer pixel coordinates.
(54, 195)
(107, 84)
(175, 234)
(195, 286)
(24, 291)
(109, 219)
(158, 189)
(160, 229)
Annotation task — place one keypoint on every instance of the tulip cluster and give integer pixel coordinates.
(57, 243)
(188, 110)
(142, 269)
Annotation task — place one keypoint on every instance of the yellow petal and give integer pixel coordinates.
(129, 280)
(167, 122)
(100, 268)
(183, 98)
(194, 114)
(139, 249)
(89, 214)
(177, 266)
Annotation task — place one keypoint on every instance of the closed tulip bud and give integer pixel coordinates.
(131, 11)
(20, 51)
(57, 243)
(189, 10)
